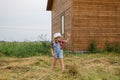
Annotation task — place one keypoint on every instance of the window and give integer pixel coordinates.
(63, 25)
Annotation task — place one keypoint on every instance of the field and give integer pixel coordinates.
(33, 61)
(77, 67)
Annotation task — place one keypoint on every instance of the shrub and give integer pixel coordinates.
(46, 47)
(93, 47)
(113, 47)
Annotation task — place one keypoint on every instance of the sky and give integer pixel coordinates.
(24, 20)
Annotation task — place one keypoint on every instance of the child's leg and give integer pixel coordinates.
(62, 64)
(54, 63)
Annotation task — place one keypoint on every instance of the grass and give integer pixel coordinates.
(24, 49)
(99, 66)
(32, 61)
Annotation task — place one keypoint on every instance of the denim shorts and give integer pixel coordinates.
(59, 55)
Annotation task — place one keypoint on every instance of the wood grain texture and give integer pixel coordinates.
(62, 8)
(87, 20)
(95, 20)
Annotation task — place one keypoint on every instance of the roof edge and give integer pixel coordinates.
(49, 5)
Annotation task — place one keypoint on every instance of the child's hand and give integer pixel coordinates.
(68, 34)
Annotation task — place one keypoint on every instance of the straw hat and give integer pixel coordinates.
(57, 35)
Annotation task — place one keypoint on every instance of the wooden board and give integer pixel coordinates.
(62, 8)
(95, 19)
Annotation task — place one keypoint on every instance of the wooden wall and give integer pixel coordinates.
(60, 8)
(95, 19)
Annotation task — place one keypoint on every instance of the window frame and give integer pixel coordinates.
(63, 25)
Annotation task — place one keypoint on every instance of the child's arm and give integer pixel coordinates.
(52, 51)
(68, 38)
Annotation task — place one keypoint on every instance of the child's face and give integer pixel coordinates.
(58, 38)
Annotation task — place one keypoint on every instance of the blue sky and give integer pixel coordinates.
(22, 20)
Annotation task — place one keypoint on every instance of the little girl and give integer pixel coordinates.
(57, 49)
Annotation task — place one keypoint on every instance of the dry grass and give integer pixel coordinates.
(80, 67)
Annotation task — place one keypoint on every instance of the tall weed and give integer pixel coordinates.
(93, 47)
(24, 49)
(113, 47)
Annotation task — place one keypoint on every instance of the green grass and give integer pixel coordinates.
(33, 60)
(29, 49)
(80, 67)
(24, 49)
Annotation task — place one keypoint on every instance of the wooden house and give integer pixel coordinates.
(86, 20)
